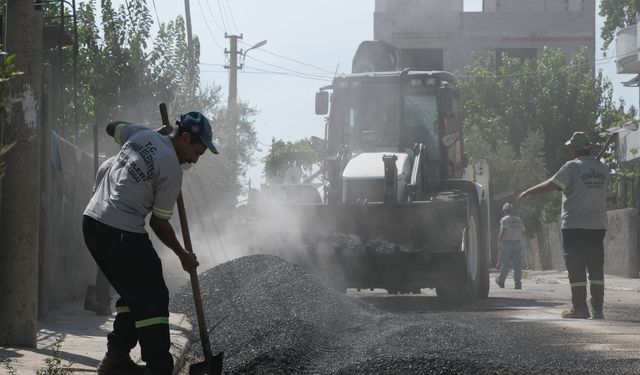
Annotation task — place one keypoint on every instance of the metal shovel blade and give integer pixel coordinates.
(210, 366)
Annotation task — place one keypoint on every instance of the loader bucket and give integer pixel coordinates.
(396, 247)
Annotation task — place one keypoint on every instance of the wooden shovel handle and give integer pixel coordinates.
(193, 274)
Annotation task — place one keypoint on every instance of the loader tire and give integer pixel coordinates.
(484, 255)
(463, 283)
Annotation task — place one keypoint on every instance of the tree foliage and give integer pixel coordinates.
(284, 155)
(124, 72)
(518, 115)
(617, 14)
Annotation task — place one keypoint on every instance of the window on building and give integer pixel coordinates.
(472, 5)
(422, 59)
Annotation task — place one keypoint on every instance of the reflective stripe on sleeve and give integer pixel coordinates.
(116, 134)
(162, 214)
(152, 321)
(122, 309)
(558, 183)
(579, 284)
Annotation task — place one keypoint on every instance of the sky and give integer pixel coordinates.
(307, 42)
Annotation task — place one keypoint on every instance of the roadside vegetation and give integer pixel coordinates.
(518, 113)
(124, 72)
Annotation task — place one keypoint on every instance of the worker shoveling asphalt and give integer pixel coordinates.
(145, 178)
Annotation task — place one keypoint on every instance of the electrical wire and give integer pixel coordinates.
(224, 24)
(226, 15)
(207, 25)
(287, 69)
(264, 71)
(294, 73)
(155, 10)
(291, 59)
(210, 64)
(213, 17)
(233, 18)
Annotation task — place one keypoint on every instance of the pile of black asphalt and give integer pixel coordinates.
(270, 316)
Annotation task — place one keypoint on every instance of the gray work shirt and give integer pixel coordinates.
(584, 182)
(102, 171)
(511, 226)
(144, 178)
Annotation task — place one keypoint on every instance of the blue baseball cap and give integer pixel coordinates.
(197, 124)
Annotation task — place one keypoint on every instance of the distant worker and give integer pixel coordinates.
(145, 177)
(583, 181)
(510, 249)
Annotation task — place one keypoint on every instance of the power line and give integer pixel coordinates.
(266, 72)
(233, 18)
(222, 17)
(287, 69)
(208, 28)
(293, 60)
(300, 75)
(215, 20)
(211, 64)
(155, 10)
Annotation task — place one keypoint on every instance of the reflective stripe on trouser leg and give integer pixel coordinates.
(152, 321)
(155, 343)
(579, 284)
(123, 338)
(122, 309)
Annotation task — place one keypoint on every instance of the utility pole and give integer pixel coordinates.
(19, 215)
(190, 60)
(232, 109)
(233, 70)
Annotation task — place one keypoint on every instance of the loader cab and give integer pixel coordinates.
(365, 116)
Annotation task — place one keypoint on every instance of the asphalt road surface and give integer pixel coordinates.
(271, 317)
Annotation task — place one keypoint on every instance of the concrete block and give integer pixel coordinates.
(621, 243)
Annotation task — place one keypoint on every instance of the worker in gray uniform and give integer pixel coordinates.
(145, 178)
(510, 249)
(583, 181)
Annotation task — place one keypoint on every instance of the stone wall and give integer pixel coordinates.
(544, 251)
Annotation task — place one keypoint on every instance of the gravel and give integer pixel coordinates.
(273, 317)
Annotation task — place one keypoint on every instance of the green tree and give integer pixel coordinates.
(518, 116)
(124, 72)
(284, 155)
(617, 14)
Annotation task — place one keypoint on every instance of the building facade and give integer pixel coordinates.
(440, 35)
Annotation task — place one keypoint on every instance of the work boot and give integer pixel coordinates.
(518, 286)
(596, 311)
(574, 313)
(499, 282)
(119, 364)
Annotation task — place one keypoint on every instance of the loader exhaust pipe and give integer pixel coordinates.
(390, 178)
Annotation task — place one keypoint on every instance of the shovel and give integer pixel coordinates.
(212, 365)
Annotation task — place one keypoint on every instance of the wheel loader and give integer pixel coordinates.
(399, 208)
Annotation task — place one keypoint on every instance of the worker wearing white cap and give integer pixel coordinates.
(509, 243)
